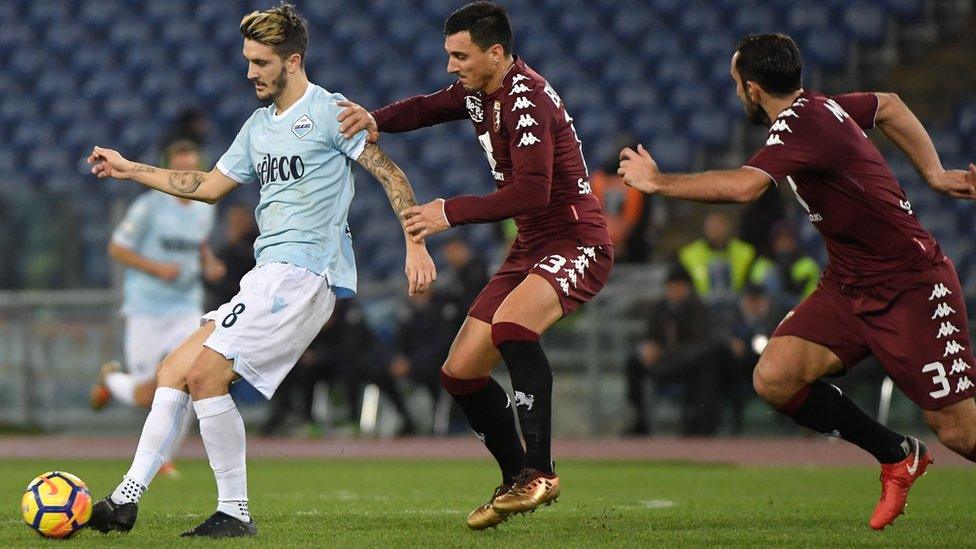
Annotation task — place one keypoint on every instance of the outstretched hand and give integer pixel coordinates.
(956, 183)
(639, 170)
(425, 220)
(109, 163)
(354, 118)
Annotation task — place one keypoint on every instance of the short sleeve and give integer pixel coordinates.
(862, 106)
(791, 147)
(236, 162)
(328, 111)
(131, 230)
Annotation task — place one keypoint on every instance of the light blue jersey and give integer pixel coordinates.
(158, 226)
(304, 167)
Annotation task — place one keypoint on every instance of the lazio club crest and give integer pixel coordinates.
(302, 126)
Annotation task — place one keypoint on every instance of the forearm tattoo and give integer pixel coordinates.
(394, 181)
(186, 182)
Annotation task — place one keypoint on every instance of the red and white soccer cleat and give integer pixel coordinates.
(100, 395)
(896, 481)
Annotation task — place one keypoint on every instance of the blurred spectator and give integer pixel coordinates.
(466, 275)
(426, 327)
(190, 124)
(9, 278)
(786, 271)
(673, 350)
(718, 263)
(627, 211)
(224, 267)
(346, 353)
(749, 331)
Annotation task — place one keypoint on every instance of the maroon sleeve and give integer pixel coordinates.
(529, 125)
(422, 110)
(794, 145)
(862, 106)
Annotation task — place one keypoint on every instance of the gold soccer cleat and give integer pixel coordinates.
(100, 395)
(532, 488)
(485, 516)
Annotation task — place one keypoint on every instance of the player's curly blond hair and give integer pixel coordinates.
(282, 28)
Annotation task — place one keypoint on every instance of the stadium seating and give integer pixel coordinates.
(117, 73)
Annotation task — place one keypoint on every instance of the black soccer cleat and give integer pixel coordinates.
(107, 516)
(222, 525)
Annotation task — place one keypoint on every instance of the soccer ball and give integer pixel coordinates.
(56, 504)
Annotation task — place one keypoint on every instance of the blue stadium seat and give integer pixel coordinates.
(651, 122)
(637, 97)
(904, 9)
(710, 127)
(807, 16)
(716, 45)
(660, 46)
(755, 18)
(634, 22)
(690, 96)
(698, 19)
(678, 71)
(866, 22)
(672, 152)
(966, 119)
(827, 48)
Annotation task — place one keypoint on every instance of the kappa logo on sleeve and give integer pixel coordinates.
(302, 126)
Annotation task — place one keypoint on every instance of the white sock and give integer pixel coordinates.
(222, 430)
(188, 420)
(158, 435)
(122, 386)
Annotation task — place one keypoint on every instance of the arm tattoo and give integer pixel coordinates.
(186, 182)
(143, 168)
(394, 181)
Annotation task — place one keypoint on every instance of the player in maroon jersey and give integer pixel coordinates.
(888, 290)
(560, 259)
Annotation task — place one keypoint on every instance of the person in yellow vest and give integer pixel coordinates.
(718, 263)
(786, 272)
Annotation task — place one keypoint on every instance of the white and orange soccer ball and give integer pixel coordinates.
(56, 504)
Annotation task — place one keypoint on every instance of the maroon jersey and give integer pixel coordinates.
(818, 146)
(534, 154)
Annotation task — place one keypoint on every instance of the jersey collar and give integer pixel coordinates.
(280, 117)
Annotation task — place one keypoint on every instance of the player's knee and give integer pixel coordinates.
(773, 382)
(168, 375)
(202, 382)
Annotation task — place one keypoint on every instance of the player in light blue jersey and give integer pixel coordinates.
(294, 151)
(160, 242)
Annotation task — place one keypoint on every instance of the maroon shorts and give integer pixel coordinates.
(917, 328)
(576, 272)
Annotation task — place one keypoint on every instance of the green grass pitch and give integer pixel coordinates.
(393, 503)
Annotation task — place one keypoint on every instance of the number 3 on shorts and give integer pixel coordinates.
(231, 318)
(552, 263)
(938, 379)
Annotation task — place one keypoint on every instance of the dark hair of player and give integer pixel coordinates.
(770, 60)
(488, 24)
(282, 28)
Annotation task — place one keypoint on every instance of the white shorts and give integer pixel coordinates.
(148, 339)
(267, 326)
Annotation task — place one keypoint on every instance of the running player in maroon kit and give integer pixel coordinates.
(888, 289)
(560, 259)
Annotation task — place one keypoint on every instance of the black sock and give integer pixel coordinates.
(823, 408)
(488, 409)
(531, 377)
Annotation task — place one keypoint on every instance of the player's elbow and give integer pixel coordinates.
(889, 103)
(748, 193)
(114, 250)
